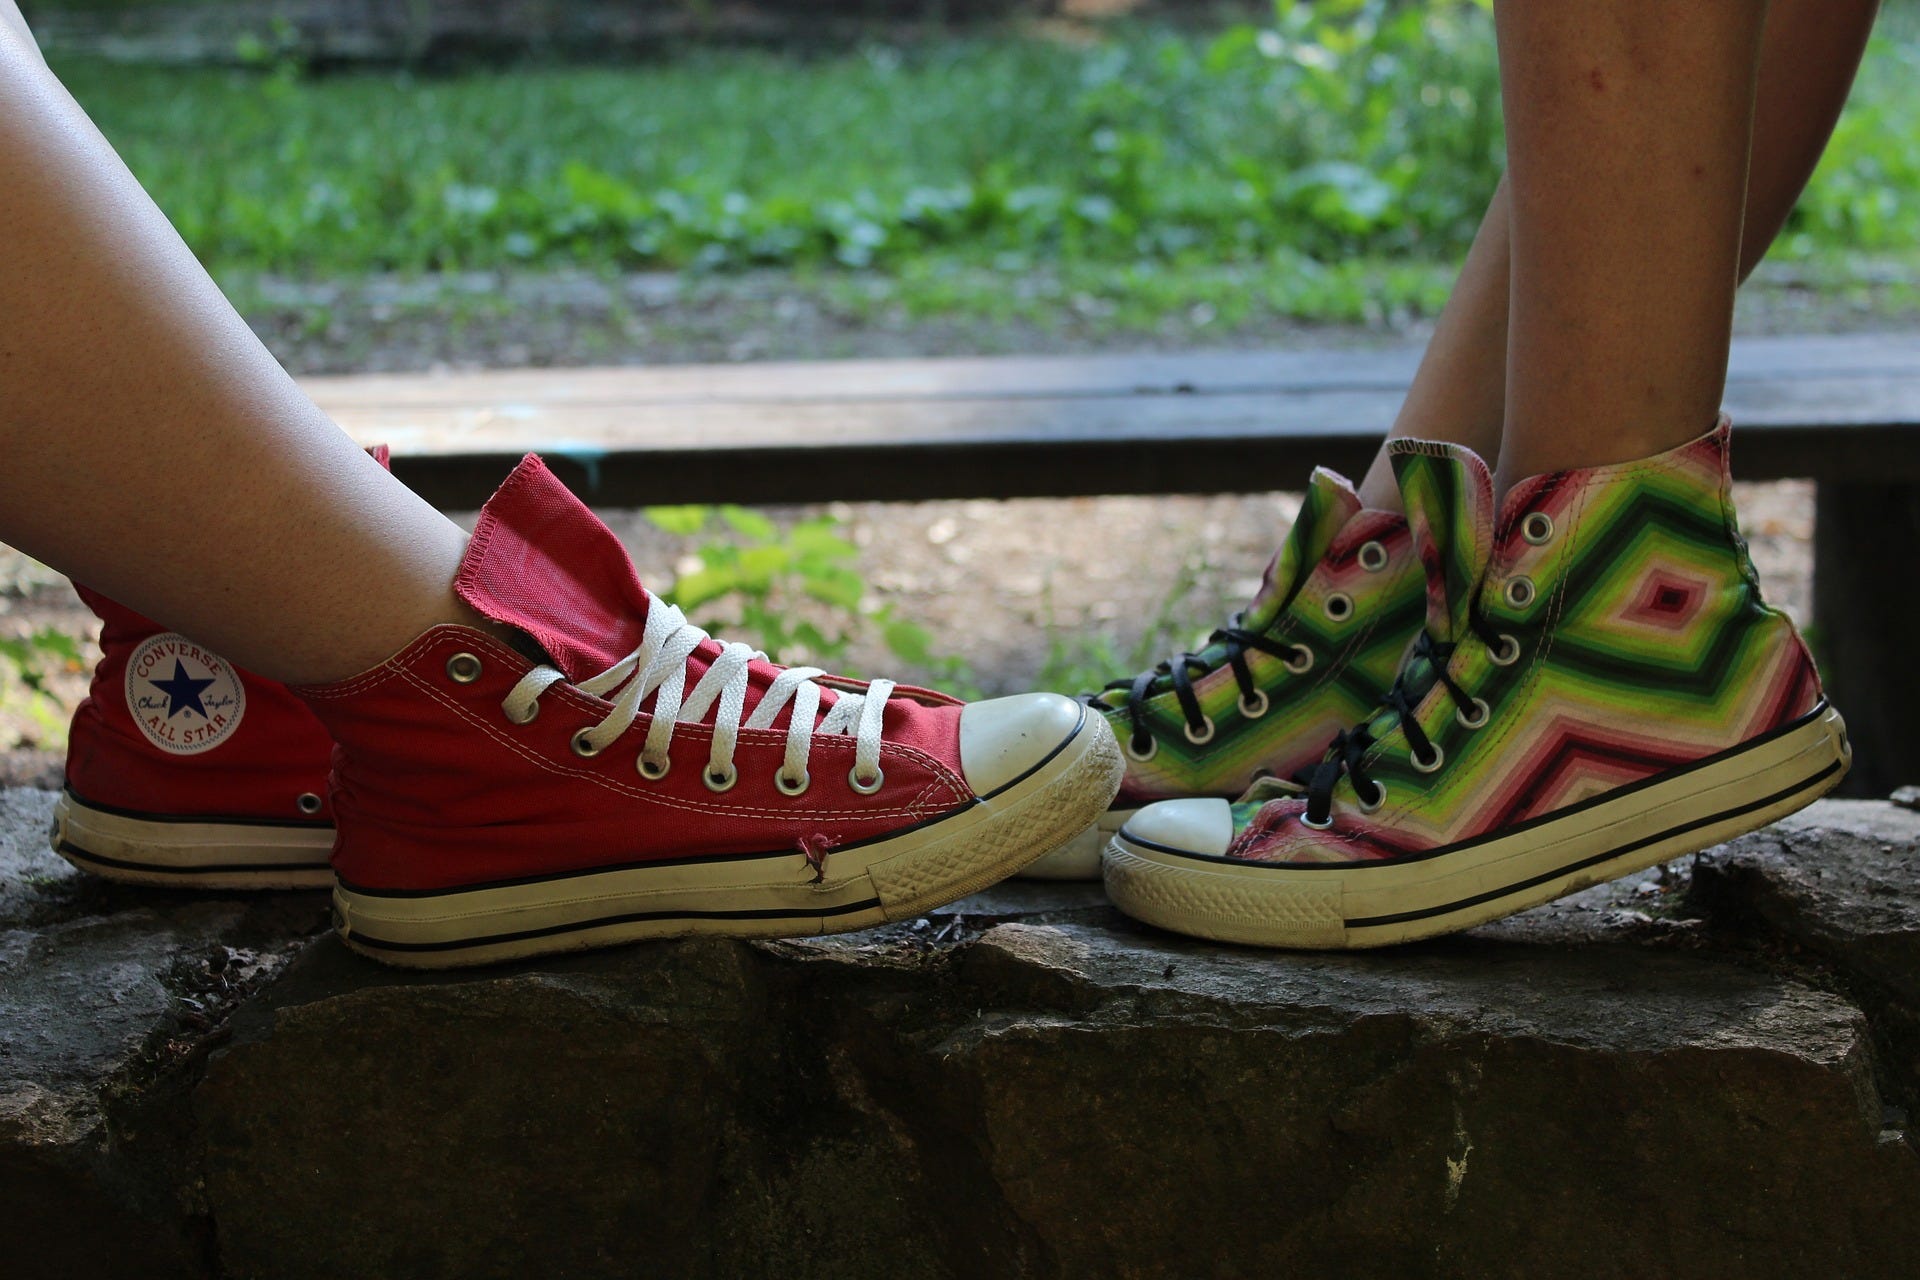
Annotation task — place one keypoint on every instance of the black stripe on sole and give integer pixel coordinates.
(1402, 917)
(1593, 802)
(68, 849)
(196, 819)
(360, 939)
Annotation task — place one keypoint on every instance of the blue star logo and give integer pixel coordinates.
(183, 691)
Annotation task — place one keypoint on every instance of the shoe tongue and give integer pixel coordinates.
(1448, 494)
(541, 562)
(1325, 508)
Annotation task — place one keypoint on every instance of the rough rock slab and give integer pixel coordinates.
(102, 989)
(1841, 877)
(1839, 881)
(1056, 1099)
(1024, 1083)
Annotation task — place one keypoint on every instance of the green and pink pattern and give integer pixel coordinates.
(1335, 612)
(1605, 628)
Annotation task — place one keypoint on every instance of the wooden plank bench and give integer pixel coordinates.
(1843, 411)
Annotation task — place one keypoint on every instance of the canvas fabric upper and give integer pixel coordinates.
(276, 753)
(1644, 645)
(1354, 657)
(435, 788)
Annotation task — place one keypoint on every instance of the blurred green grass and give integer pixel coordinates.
(1337, 156)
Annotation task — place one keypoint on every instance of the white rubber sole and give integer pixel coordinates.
(1371, 905)
(759, 895)
(1079, 858)
(190, 855)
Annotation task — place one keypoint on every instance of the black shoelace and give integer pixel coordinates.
(1347, 754)
(1181, 669)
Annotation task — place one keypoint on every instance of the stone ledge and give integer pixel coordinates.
(108, 996)
(1836, 887)
(1024, 1083)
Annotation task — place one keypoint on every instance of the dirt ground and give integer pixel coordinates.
(483, 319)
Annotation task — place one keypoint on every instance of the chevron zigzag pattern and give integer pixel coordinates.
(1346, 587)
(1643, 645)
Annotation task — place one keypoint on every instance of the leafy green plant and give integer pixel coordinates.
(25, 664)
(795, 593)
(1861, 196)
(763, 574)
(1339, 126)
(1331, 133)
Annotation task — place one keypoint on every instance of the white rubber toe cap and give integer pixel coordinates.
(1003, 739)
(1202, 825)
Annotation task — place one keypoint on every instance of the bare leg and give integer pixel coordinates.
(12, 22)
(1628, 130)
(1808, 58)
(156, 450)
(1459, 392)
(1809, 54)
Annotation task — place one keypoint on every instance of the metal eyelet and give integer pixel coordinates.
(1373, 557)
(718, 782)
(1339, 606)
(309, 803)
(1379, 798)
(1520, 592)
(463, 668)
(1205, 735)
(1481, 713)
(866, 788)
(1301, 662)
(1537, 528)
(533, 711)
(1305, 821)
(1432, 762)
(1134, 753)
(652, 772)
(1507, 654)
(1257, 708)
(583, 746)
(792, 788)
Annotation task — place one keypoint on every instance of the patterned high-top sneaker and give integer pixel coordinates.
(185, 770)
(1599, 688)
(1320, 643)
(635, 778)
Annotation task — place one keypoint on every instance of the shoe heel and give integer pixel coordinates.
(168, 853)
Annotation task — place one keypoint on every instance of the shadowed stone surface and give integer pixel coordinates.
(1071, 1099)
(101, 988)
(1470, 1109)
(1839, 882)
(1027, 1084)
(1841, 878)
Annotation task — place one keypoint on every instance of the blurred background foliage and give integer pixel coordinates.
(1307, 135)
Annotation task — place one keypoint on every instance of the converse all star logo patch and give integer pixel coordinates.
(184, 698)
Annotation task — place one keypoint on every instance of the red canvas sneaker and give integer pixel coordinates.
(627, 776)
(185, 770)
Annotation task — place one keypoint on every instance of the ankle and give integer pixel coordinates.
(1378, 491)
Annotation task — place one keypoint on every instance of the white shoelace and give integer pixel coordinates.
(660, 664)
